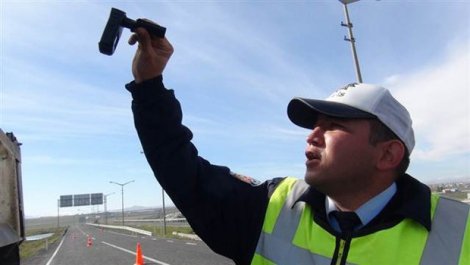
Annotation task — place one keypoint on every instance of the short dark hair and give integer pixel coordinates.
(380, 133)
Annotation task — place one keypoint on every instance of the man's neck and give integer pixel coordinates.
(351, 201)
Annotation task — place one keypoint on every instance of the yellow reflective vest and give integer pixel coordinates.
(290, 236)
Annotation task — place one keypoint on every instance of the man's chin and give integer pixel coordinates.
(315, 181)
(311, 179)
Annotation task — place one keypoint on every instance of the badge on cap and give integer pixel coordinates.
(253, 182)
(340, 92)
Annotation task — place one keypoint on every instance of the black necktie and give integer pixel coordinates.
(346, 220)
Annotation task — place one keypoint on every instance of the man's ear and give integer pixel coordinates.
(391, 154)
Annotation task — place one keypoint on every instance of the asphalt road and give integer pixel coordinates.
(115, 248)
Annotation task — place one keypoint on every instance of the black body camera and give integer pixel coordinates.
(116, 22)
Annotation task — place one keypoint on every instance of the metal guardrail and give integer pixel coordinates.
(187, 236)
(135, 230)
(42, 237)
(170, 220)
(39, 237)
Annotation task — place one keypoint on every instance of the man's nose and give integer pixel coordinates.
(315, 137)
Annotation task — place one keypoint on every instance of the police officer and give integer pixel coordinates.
(356, 204)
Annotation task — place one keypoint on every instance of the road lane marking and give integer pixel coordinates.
(192, 244)
(133, 253)
(85, 234)
(55, 252)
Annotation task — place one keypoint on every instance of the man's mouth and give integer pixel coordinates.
(313, 155)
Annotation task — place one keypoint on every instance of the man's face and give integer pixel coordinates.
(339, 155)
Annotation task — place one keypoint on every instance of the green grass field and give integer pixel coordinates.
(30, 248)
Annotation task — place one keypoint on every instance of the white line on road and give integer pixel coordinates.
(192, 244)
(85, 234)
(132, 252)
(55, 252)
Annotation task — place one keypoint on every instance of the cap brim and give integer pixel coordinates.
(304, 112)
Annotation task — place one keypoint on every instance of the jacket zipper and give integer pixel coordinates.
(342, 244)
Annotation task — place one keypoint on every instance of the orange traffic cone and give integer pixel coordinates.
(89, 241)
(139, 259)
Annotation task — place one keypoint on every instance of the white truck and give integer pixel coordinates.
(11, 200)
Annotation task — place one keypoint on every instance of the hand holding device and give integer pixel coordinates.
(116, 22)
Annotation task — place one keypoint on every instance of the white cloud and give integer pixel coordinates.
(438, 99)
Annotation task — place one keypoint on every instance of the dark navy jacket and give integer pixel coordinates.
(225, 212)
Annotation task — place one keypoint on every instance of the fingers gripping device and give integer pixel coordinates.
(116, 22)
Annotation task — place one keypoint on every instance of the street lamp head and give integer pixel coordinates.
(122, 196)
(345, 2)
(121, 184)
(128, 182)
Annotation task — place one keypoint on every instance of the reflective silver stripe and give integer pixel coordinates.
(289, 217)
(277, 247)
(445, 240)
(283, 252)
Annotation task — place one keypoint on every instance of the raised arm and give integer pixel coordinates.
(224, 211)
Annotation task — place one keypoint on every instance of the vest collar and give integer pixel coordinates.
(412, 200)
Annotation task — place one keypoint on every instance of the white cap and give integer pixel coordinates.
(356, 101)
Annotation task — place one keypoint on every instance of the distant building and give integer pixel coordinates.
(467, 201)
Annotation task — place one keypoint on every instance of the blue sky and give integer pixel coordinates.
(236, 66)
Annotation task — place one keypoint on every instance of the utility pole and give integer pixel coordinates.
(122, 196)
(58, 218)
(106, 207)
(351, 39)
(164, 213)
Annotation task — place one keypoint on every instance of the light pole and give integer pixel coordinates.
(351, 39)
(58, 207)
(106, 206)
(164, 213)
(122, 196)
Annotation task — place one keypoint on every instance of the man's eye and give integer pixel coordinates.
(335, 125)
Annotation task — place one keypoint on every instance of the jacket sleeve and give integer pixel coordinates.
(225, 212)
